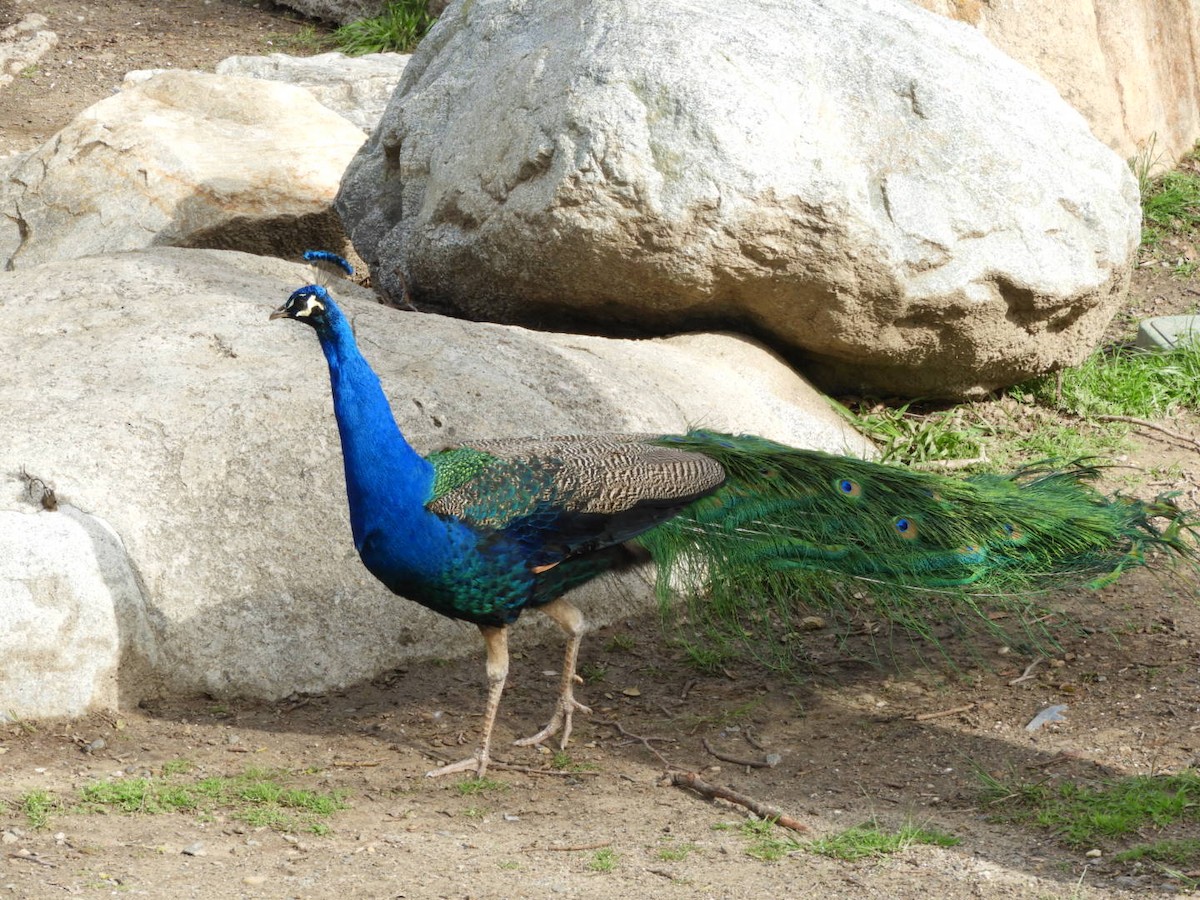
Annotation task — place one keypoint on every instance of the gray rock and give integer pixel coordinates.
(339, 11)
(201, 541)
(866, 182)
(355, 87)
(182, 159)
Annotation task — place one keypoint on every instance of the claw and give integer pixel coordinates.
(478, 762)
(561, 721)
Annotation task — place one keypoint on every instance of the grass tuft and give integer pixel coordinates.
(1082, 815)
(603, 860)
(397, 30)
(1124, 381)
(870, 840)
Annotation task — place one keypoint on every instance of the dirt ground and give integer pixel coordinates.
(895, 742)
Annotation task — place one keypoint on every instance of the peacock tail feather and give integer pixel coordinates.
(803, 528)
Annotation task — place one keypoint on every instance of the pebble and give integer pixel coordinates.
(1093, 854)
(9, 838)
(255, 880)
(196, 849)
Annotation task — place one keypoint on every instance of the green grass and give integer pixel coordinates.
(1124, 381)
(36, 806)
(673, 852)
(470, 787)
(904, 436)
(257, 797)
(1085, 815)
(766, 843)
(622, 643)
(398, 30)
(603, 860)
(870, 840)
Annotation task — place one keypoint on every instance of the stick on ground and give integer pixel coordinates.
(694, 782)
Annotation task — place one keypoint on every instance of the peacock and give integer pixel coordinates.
(489, 528)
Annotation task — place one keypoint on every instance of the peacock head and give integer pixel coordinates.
(310, 304)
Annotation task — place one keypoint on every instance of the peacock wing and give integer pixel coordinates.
(563, 496)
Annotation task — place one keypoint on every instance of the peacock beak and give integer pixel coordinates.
(280, 313)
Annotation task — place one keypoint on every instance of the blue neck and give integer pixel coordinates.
(384, 475)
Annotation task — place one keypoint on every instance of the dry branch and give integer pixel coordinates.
(694, 782)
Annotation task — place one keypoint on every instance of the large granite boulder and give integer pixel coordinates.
(181, 159)
(1131, 67)
(172, 506)
(877, 189)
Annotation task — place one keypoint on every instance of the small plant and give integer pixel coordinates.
(766, 844)
(709, 658)
(1082, 815)
(256, 797)
(36, 806)
(469, 787)
(593, 672)
(177, 767)
(305, 39)
(603, 860)
(1125, 381)
(869, 839)
(397, 30)
(622, 643)
(908, 438)
(676, 852)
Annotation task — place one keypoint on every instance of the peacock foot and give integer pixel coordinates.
(567, 704)
(478, 763)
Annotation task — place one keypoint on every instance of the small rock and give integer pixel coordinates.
(196, 849)
(255, 880)
(632, 692)
(8, 838)
(812, 623)
(1093, 854)
(96, 746)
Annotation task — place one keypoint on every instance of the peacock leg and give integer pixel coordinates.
(496, 640)
(570, 620)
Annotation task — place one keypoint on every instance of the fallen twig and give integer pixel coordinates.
(1027, 674)
(600, 845)
(350, 764)
(1153, 426)
(694, 782)
(33, 858)
(644, 741)
(941, 713)
(769, 763)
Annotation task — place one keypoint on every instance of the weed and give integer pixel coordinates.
(177, 767)
(1125, 381)
(305, 40)
(469, 787)
(907, 437)
(398, 30)
(869, 839)
(36, 806)
(593, 672)
(603, 860)
(1083, 815)
(623, 643)
(709, 658)
(765, 843)
(256, 797)
(676, 852)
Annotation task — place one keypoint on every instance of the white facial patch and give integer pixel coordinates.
(311, 305)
